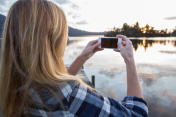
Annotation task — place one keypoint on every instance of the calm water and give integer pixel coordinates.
(156, 65)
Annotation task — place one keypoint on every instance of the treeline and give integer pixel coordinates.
(137, 31)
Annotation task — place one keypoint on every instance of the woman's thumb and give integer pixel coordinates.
(96, 45)
(120, 46)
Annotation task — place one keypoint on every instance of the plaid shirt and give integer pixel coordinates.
(79, 101)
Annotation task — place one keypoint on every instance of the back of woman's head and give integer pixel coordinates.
(34, 39)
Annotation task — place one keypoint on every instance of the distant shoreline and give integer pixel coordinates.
(128, 37)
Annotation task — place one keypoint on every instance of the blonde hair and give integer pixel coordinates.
(33, 44)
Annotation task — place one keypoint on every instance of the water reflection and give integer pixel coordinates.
(155, 63)
(156, 109)
(109, 91)
(147, 79)
(149, 43)
(168, 52)
(111, 72)
(146, 43)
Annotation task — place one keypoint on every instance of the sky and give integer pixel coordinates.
(103, 15)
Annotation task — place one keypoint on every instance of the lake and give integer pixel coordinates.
(155, 60)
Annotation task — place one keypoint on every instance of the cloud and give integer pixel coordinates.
(148, 79)
(159, 106)
(69, 13)
(82, 22)
(170, 18)
(158, 110)
(75, 16)
(158, 71)
(60, 1)
(5, 5)
(3, 2)
(107, 91)
(74, 6)
(168, 52)
(170, 95)
(111, 72)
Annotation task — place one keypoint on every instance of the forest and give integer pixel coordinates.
(137, 31)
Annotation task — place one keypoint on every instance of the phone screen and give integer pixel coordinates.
(109, 43)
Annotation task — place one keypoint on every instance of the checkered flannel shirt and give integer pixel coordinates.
(79, 101)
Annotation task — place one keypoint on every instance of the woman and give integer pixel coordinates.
(34, 80)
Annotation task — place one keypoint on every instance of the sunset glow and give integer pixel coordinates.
(102, 15)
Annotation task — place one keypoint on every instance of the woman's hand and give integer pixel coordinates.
(91, 49)
(88, 52)
(126, 48)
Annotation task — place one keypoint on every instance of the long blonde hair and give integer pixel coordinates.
(33, 44)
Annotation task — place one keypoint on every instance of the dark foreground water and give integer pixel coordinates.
(156, 65)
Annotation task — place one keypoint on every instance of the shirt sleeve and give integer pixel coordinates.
(84, 102)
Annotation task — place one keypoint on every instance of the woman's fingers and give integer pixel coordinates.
(124, 38)
(116, 50)
(91, 43)
(94, 42)
(120, 46)
(96, 45)
(123, 43)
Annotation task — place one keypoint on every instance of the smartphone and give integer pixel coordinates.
(109, 42)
